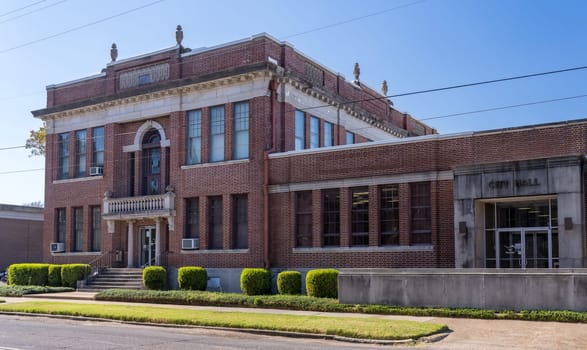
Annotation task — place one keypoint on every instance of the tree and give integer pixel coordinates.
(36, 142)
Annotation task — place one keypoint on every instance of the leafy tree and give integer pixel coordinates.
(36, 142)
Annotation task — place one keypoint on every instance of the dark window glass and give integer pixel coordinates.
(240, 237)
(61, 223)
(80, 153)
(78, 229)
(98, 146)
(331, 217)
(215, 223)
(304, 219)
(63, 169)
(389, 215)
(217, 134)
(360, 216)
(194, 151)
(420, 213)
(241, 131)
(192, 218)
(96, 228)
(328, 134)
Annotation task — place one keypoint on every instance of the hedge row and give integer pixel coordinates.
(47, 274)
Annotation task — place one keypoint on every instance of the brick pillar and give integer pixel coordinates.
(227, 204)
(204, 216)
(373, 215)
(228, 130)
(87, 228)
(317, 219)
(404, 214)
(205, 135)
(345, 210)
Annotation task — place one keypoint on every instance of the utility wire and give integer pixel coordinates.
(21, 8)
(33, 11)
(81, 27)
(20, 171)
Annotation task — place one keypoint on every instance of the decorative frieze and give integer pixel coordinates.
(144, 76)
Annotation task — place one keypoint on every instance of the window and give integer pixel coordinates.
(194, 152)
(350, 138)
(80, 153)
(98, 146)
(328, 134)
(389, 215)
(63, 169)
(60, 226)
(241, 131)
(240, 237)
(192, 227)
(314, 132)
(420, 213)
(304, 219)
(78, 229)
(215, 223)
(96, 228)
(331, 218)
(217, 134)
(360, 216)
(300, 132)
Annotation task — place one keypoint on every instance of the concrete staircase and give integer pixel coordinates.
(115, 278)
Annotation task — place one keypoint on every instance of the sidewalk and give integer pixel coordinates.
(466, 333)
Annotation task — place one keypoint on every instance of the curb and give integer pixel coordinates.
(429, 339)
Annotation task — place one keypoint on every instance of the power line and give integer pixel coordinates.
(81, 27)
(33, 11)
(13, 147)
(21, 8)
(20, 171)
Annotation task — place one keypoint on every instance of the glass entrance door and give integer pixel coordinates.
(524, 248)
(536, 249)
(147, 256)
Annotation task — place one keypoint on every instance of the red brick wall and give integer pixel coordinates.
(21, 241)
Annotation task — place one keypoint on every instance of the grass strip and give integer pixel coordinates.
(354, 327)
(305, 303)
(18, 291)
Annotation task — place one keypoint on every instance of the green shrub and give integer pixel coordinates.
(289, 282)
(71, 273)
(54, 276)
(192, 278)
(322, 283)
(255, 281)
(155, 277)
(28, 274)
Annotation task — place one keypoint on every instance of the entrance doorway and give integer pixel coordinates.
(528, 247)
(147, 249)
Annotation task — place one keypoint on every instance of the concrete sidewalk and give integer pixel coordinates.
(466, 333)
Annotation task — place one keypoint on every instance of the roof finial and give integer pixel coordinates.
(384, 88)
(113, 52)
(178, 35)
(356, 73)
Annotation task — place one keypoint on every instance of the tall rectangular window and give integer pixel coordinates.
(78, 229)
(60, 224)
(63, 168)
(420, 213)
(192, 227)
(389, 215)
(241, 131)
(328, 134)
(240, 236)
(194, 151)
(217, 134)
(314, 132)
(300, 131)
(350, 138)
(215, 223)
(98, 146)
(331, 218)
(80, 153)
(304, 219)
(360, 216)
(96, 228)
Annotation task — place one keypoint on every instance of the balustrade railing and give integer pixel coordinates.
(129, 205)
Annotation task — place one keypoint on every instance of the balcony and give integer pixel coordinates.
(141, 207)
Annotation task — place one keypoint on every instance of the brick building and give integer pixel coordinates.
(21, 234)
(252, 154)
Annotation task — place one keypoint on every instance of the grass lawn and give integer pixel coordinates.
(366, 328)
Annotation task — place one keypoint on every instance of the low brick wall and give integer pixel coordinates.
(537, 289)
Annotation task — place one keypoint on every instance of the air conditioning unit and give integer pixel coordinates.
(190, 243)
(57, 247)
(96, 170)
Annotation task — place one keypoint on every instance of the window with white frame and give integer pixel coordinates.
(63, 167)
(241, 131)
(217, 134)
(194, 146)
(300, 131)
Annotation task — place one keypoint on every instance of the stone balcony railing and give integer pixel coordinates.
(141, 207)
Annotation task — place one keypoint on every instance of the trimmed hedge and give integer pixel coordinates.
(255, 281)
(289, 282)
(28, 274)
(71, 273)
(322, 283)
(155, 277)
(54, 276)
(192, 278)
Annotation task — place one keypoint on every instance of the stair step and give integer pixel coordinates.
(117, 278)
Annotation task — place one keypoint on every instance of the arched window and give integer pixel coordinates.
(151, 163)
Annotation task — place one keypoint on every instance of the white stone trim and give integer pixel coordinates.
(207, 165)
(19, 215)
(401, 248)
(142, 130)
(77, 254)
(214, 251)
(362, 181)
(78, 179)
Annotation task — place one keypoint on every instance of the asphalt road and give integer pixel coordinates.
(24, 332)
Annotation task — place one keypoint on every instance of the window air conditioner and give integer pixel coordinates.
(96, 170)
(57, 247)
(190, 243)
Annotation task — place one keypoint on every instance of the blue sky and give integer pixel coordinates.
(413, 44)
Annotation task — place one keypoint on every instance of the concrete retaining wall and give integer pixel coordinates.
(540, 289)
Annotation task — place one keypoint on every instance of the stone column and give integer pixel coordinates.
(130, 251)
(158, 241)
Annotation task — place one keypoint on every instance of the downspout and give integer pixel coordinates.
(266, 260)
